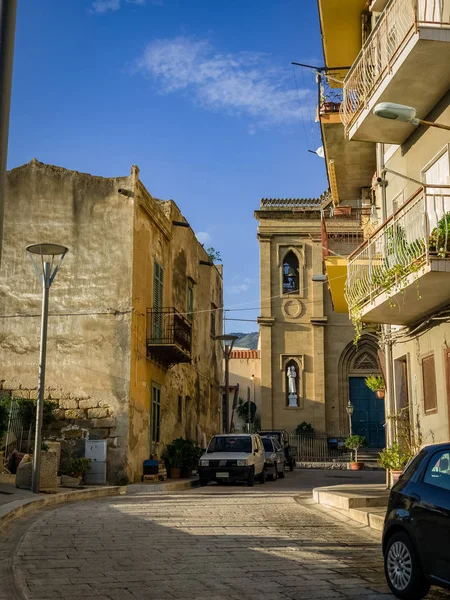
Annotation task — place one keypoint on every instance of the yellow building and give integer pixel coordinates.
(399, 278)
(134, 311)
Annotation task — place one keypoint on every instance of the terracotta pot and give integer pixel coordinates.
(356, 466)
(175, 473)
(327, 107)
(395, 476)
(380, 393)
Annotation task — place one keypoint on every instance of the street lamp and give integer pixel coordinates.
(46, 260)
(350, 408)
(404, 114)
(227, 343)
(249, 401)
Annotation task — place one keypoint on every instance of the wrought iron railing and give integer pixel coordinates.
(294, 203)
(397, 24)
(404, 243)
(319, 447)
(166, 326)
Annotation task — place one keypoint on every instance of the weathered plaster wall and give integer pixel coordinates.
(197, 384)
(241, 371)
(88, 353)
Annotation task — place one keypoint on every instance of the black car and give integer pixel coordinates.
(283, 439)
(416, 536)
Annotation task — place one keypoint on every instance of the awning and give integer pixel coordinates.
(336, 268)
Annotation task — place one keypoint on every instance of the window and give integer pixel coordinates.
(290, 274)
(158, 300)
(180, 409)
(438, 472)
(437, 171)
(429, 384)
(190, 300)
(268, 444)
(230, 443)
(156, 414)
(213, 319)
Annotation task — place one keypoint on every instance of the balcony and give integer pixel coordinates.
(169, 337)
(406, 60)
(350, 166)
(402, 272)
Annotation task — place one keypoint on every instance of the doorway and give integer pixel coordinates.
(368, 415)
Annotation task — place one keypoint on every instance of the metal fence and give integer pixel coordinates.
(15, 433)
(320, 447)
(401, 246)
(395, 27)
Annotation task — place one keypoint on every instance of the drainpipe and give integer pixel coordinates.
(390, 400)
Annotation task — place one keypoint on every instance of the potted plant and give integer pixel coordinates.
(376, 384)
(394, 460)
(172, 457)
(355, 442)
(72, 471)
(305, 429)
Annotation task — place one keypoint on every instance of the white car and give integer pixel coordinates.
(233, 457)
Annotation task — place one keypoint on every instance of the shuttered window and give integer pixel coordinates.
(429, 384)
(158, 301)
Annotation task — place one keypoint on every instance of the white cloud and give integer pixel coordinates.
(103, 6)
(203, 237)
(251, 130)
(244, 83)
(245, 285)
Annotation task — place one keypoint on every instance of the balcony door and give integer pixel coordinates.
(436, 172)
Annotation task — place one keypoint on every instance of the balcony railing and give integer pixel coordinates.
(400, 19)
(169, 336)
(417, 232)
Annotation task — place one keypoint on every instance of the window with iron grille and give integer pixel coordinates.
(156, 414)
(429, 384)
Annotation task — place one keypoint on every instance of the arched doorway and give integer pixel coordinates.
(355, 365)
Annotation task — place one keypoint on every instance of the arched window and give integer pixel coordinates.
(290, 274)
(292, 375)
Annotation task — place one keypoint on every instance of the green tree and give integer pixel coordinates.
(214, 255)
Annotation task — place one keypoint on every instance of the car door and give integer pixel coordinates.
(259, 456)
(280, 455)
(430, 512)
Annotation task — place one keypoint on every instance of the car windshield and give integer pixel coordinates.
(267, 443)
(230, 443)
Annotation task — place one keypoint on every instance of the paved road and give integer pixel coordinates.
(212, 543)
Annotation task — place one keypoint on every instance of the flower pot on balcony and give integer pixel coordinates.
(380, 393)
(395, 476)
(327, 107)
(356, 466)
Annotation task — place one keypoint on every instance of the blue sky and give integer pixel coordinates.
(200, 94)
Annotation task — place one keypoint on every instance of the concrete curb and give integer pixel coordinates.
(161, 488)
(366, 504)
(16, 508)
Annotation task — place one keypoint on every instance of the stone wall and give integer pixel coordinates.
(88, 351)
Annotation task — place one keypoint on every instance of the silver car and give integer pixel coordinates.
(274, 457)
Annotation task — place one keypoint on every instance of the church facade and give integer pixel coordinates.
(310, 367)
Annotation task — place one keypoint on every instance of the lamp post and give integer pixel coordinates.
(404, 114)
(46, 260)
(252, 398)
(8, 9)
(350, 408)
(227, 343)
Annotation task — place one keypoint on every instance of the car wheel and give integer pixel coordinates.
(282, 474)
(251, 478)
(262, 477)
(403, 570)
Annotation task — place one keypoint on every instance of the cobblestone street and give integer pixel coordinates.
(206, 544)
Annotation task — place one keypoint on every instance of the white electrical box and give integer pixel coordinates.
(96, 450)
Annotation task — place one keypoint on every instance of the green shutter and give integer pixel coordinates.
(158, 301)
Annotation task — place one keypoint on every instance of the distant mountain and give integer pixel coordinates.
(247, 340)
